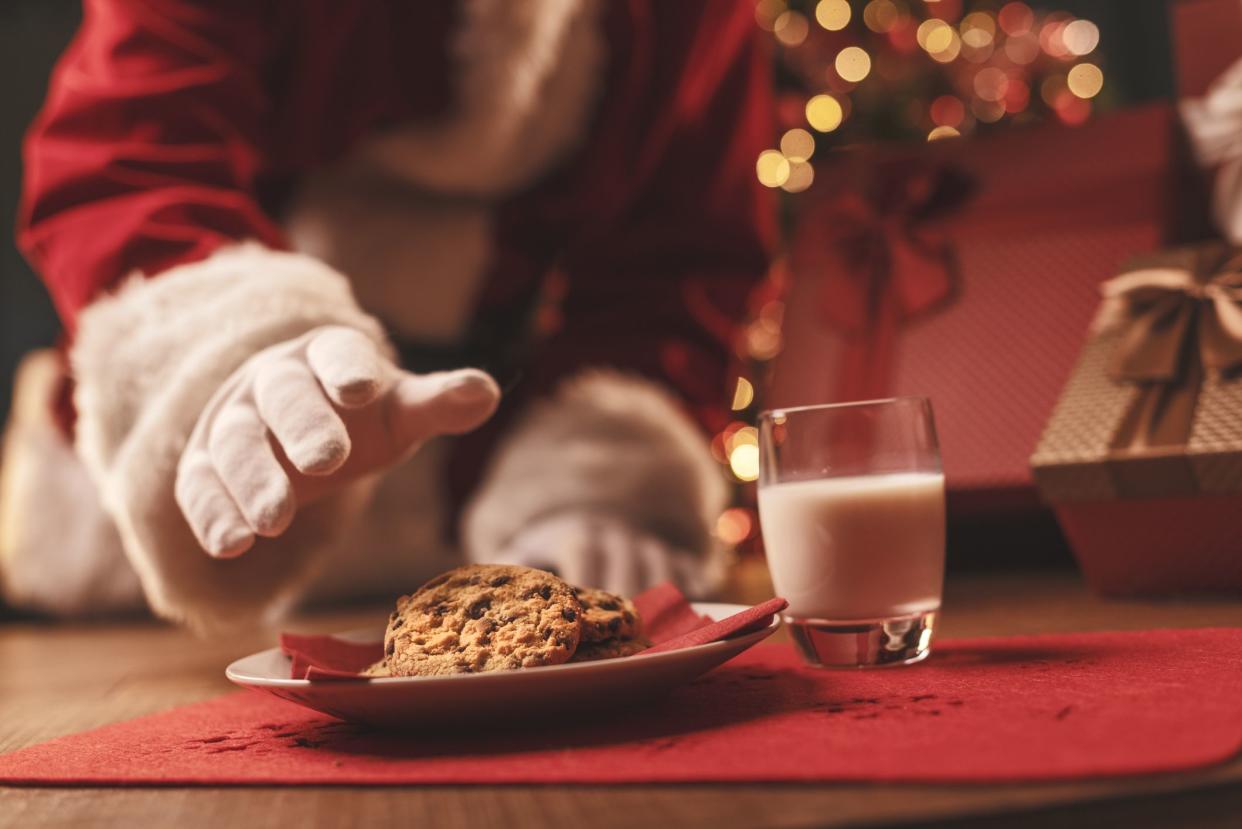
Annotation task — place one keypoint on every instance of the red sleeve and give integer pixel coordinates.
(661, 292)
(147, 149)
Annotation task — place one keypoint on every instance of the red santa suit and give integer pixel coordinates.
(540, 187)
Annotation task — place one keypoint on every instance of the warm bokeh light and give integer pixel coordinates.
(947, 111)
(978, 32)
(801, 176)
(797, 144)
(853, 64)
(743, 394)
(942, 132)
(773, 310)
(833, 15)
(978, 54)
(824, 113)
(763, 339)
(791, 28)
(1051, 38)
(939, 39)
(730, 431)
(1074, 111)
(989, 112)
(976, 38)
(1017, 96)
(934, 35)
(982, 21)
(742, 436)
(904, 35)
(881, 15)
(1022, 49)
(950, 52)
(1015, 19)
(744, 461)
(772, 168)
(1054, 91)
(991, 84)
(1081, 37)
(1085, 80)
(767, 11)
(734, 525)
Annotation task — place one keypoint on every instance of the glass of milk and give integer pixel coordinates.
(851, 503)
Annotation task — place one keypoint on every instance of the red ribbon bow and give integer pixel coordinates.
(883, 262)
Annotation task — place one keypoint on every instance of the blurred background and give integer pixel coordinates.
(901, 70)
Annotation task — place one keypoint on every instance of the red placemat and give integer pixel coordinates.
(982, 710)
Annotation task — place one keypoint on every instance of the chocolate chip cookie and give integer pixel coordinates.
(606, 615)
(377, 670)
(483, 618)
(609, 649)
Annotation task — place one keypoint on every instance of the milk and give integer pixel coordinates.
(854, 548)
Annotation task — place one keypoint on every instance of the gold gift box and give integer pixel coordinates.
(1142, 455)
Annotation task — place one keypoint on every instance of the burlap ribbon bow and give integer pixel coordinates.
(1175, 324)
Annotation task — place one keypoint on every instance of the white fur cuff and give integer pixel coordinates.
(146, 360)
(606, 443)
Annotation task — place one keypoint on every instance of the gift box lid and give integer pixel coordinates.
(1153, 407)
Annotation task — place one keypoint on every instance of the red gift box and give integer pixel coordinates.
(966, 271)
(1207, 39)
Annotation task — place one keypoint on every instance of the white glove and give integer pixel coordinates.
(596, 549)
(1214, 123)
(300, 420)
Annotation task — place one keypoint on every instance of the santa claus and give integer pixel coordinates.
(294, 242)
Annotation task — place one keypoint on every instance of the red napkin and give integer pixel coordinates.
(668, 621)
(982, 710)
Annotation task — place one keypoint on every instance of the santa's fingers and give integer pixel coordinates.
(293, 406)
(245, 463)
(348, 365)
(213, 517)
(444, 403)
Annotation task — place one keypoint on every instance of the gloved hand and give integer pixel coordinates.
(301, 419)
(596, 549)
(1214, 123)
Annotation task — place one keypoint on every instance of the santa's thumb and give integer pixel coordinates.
(444, 403)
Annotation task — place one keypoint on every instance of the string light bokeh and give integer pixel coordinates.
(859, 71)
(921, 69)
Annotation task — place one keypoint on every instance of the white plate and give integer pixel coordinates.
(513, 695)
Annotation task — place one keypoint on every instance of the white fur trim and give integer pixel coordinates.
(1214, 123)
(146, 360)
(606, 443)
(59, 551)
(528, 73)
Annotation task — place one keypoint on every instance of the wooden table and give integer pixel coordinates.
(59, 679)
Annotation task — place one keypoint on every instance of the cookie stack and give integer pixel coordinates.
(482, 618)
(610, 626)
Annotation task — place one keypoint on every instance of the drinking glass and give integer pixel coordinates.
(851, 504)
